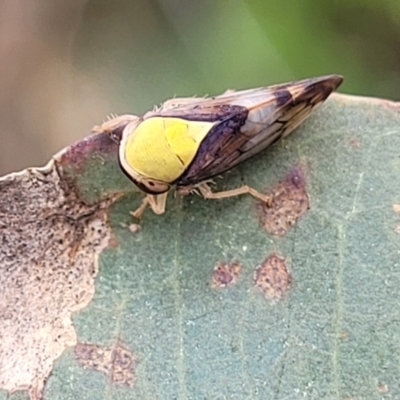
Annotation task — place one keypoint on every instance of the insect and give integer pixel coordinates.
(186, 142)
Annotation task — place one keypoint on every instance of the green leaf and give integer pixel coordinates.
(155, 324)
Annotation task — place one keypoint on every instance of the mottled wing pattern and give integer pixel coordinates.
(250, 121)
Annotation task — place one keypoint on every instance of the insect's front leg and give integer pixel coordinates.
(207, 193)
(156, 202)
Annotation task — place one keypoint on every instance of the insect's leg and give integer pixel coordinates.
(207, 193)
(156, 202)
(138, 213)
(186, 190)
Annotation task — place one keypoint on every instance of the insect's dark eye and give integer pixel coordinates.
(152, 187)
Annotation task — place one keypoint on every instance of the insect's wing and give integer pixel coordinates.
(250, 121)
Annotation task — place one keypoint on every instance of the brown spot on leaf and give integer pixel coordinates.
(117, 362)
(289, 202)
(226, 274)
(383, 388)
(94, 146)
(396, 209)
(355, 143)
(344, 335)
(273, 277)
(50, 242)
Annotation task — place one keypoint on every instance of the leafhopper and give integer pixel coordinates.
(187, 142)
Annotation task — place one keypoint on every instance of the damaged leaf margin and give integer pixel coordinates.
(51, 237)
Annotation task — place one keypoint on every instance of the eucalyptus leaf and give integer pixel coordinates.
(173, 309)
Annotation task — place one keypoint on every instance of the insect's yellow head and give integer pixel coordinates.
(155, 152)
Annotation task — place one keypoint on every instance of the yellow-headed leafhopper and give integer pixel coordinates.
(186, 142)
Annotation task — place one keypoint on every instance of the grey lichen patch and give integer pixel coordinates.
(117, 362)
(226, 274)
(273, 277)
(50, 241)
(290, 202)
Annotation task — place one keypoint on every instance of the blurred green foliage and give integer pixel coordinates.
(66, 65)
(155, 49)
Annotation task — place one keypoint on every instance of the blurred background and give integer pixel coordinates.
(66, 65)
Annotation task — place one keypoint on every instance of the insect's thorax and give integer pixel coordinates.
(161, 148)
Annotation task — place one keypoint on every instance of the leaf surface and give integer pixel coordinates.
(160, 324)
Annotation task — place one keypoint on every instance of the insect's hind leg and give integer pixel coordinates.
(207, 193)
